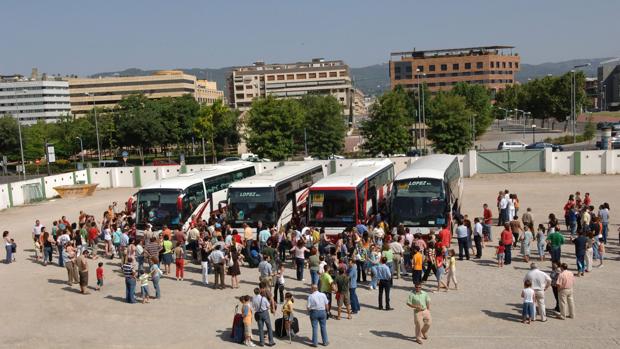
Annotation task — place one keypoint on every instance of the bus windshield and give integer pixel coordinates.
(158, 207)
(250, 205)
(419, 202)
(332, 206)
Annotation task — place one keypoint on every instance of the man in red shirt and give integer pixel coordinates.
(506, 240)
(487, 221)
(93, 234)
(445, 236)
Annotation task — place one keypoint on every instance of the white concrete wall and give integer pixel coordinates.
(4, 196)
(122, 177)
(101, 176)
(148, 174)
(614, 162)
(593, 162)
(54, 181)
(562, 162)
(18, 192)
(81, 176)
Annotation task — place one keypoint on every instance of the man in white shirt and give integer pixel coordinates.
(318, 306)
(540, 283)
(461, 236)
(397, 251)
(36, 230)
(503, 210)
(478, 237)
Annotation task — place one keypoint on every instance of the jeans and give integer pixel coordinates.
(60, 252)
(282, 251)
(463, 246)
(541, 248)
(573, 229)
(9, 254)
(507, 254)
(47, 254)
(318, 318)
(299, 263)
(355, 302)
(478, 242)
(528, 310)
(384, 286)
(140, 260)
(430, 267)
(502, 216)
(486, 230)
(556, 252)
(361, 271)
(373, 281)
(314, 277)
(605, 230)
(130, 287)
(156, 287)
(278, 288)
(205, 272)
(581, 263)
(263, 319)
(417, 276)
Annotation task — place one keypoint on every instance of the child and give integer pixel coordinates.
(279, 284)
(323, 263)
(452, 269)
(246, 312)
(601, 250)
(14, 250)
(529, 297)
(500, 252)
(37, 249)
(99, 276)
(287, 314)
(144, 286)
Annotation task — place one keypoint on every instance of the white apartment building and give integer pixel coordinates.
(290, 80)
(31, 100)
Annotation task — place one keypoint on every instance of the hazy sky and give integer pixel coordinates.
(86, 37)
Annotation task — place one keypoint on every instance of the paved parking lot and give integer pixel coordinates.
(39, 310)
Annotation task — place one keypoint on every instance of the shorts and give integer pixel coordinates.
(439, 273)
(247, 330)
(167, 258)
(83, 278)
(100, 282)
(500, 257)
(344, 298)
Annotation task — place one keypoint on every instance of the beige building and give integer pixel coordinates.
(291, 80)
(106, 92)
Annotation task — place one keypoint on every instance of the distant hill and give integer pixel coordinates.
(374, 79)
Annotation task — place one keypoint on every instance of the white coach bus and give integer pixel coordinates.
(275, 197)
(350, 196)
(174, 201)
(426, 193)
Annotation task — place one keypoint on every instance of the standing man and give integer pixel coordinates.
(417, 265)
(130, 281)
(461, 234)
(580, 252)
(488, 220)
(540, 283)
(263, 237)
(36, 230)
(384, 275)
(248, 237)
(421, 304)
(355, 303)
(217, 260)
(445, 235)
(192, 241)
(82, 264)
(265, 270)
(528, 219)
(565, 292)
(318, 306)
(478, 237)
(506, 240)
(503, 209)
(556, 240)
(261, 306)
(397, 250)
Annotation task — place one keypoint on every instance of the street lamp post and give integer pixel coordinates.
(19, 130)
(423, 117)
(81, 149)
(417, 75)
(533, 133)
(574, 99)
(96, 126)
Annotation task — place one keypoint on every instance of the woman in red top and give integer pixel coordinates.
(506, 239)
(567, 207)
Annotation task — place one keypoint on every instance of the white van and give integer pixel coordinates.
(511, 145)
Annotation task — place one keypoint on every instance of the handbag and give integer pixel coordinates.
(230, 262)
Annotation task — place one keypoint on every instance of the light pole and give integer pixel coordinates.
(533, 133)
(417, 75)
(574, 99)
(96, 127)
(423, 117)
(81, 149)
(19, 130)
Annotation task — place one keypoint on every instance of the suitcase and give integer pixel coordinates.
(236, 333)
(280, 330)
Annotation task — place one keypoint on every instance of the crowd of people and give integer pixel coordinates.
(369, 255)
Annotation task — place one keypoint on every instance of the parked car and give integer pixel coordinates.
(163, 162)
(110, 163)
(511, 145)
(543, 145)
(228, 159)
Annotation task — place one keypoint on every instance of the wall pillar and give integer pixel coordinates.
(137, 179)
(549, 160)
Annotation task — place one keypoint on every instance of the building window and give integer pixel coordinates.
(312, 75)
(249, 95)
(479, 65)
(509, 64)
(455, 66)
(271, 78)
(322, 75)
(290, 76)
(239, 95)
(333, 74)
(444, 67)
(248, 87)
(503, 64)
(396, 70)
(420, 68)
(431, 67)
(301, 76)
(517, 65)
(280, 77)
(408, 68)
(467, 65)
(343, 73)
(239, 87)
(492, 64)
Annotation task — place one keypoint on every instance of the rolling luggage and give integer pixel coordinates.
(280, 330)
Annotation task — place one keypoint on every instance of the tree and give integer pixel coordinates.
(324, 124)
(138, 125)
(450, 123)
(478, 100)
(9, 142)
(386, 130)
(273, 125)
(218, 125)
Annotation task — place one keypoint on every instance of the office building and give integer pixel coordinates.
(106, 92)
(491, 66)
(34, 99)
(609, 81)
(291, 80)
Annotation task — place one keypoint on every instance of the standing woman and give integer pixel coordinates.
(282, 244)
(167, 254)
(526, 239)
(131, 250)
(299, 251)
(234, 271)
(204, 260)
(48, 243)
(511, 206)
(541, 239)
(9, 247)
(155, 275)
(555, 272)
